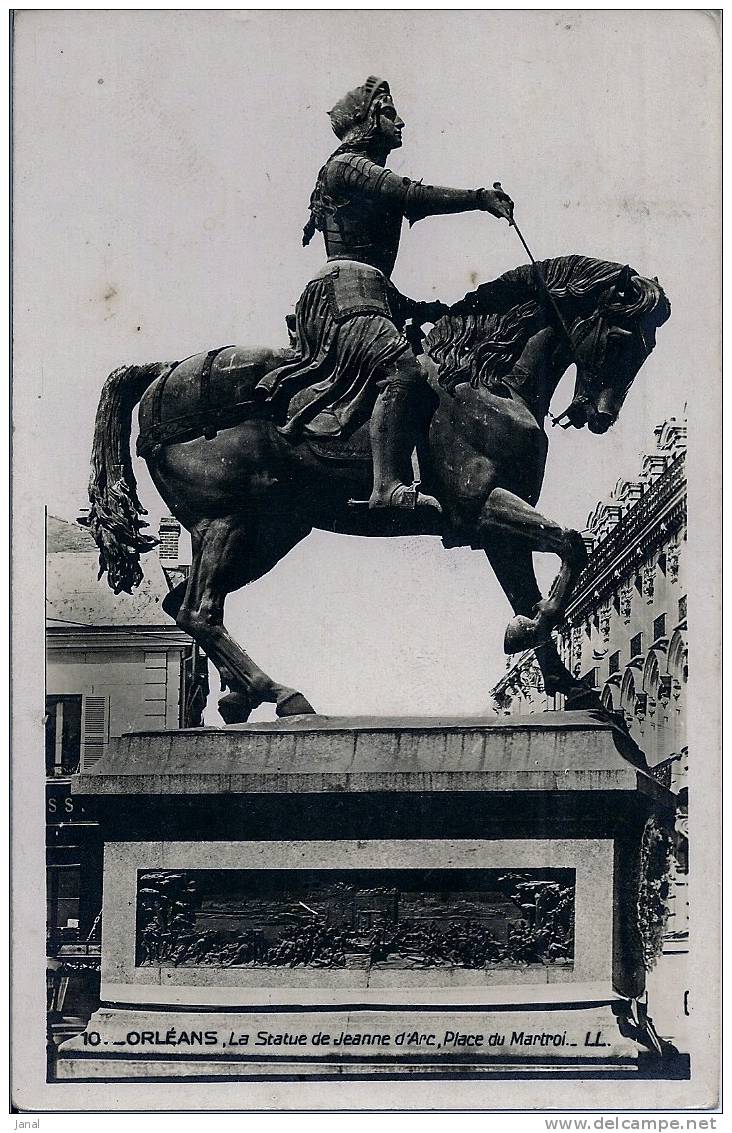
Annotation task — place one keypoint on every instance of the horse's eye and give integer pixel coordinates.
(618, 341)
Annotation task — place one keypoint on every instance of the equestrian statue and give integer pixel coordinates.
(253, 447)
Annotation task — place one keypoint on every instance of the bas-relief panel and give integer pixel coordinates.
(356, 919)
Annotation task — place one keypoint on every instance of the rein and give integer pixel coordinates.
(538, 275)
(597, 337)
(590, 367)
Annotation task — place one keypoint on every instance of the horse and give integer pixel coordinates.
(247, 494)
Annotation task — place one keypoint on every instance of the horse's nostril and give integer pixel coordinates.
(600, 422)
(577, 416)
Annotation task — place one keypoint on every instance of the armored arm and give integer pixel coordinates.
(354, 173)
(433, 200)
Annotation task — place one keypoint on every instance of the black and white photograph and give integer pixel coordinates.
(366, 560)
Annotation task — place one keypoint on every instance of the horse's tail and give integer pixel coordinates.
(115, 515)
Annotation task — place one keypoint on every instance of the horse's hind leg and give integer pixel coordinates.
(227, 554)
(506, 514)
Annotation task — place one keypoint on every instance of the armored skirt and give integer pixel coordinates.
(348, 336)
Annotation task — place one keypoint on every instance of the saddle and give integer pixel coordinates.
(208, 392)
(203, 394)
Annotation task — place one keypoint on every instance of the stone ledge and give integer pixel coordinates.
(393, 782)
(312, 722)
(552, 752)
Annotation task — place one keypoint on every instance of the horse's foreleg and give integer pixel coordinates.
(224, 560)
(505, 514)
(514, 568)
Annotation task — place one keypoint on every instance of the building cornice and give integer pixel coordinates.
(659, 513)
(511, 675)
(108, 637)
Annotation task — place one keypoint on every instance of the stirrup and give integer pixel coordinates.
(408, 499)
(405, 496)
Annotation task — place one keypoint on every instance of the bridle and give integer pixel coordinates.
(599, 330)
(590, 358)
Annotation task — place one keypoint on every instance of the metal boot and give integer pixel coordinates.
(394, 430)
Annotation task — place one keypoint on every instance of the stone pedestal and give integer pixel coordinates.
(356, 897)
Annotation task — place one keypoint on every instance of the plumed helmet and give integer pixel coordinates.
(353, 109)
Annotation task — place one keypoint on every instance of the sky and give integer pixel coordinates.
(163, 164)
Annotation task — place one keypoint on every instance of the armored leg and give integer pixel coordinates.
(396, 425)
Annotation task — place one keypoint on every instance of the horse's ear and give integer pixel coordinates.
(622, 283)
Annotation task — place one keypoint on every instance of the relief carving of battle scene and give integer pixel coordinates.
(356, 919)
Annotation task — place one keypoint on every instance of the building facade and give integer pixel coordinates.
(625, 628)
(113, 664)
(625, 634)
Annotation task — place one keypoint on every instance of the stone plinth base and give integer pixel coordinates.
(363, 1041)
(338, 898)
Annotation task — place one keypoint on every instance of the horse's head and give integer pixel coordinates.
(609, 311)
(611, 345)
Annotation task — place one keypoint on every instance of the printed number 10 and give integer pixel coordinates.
(91, 1038)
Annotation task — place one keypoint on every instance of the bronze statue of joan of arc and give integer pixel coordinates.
(353, 358)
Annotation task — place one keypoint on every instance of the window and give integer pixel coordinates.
(659, 627)
(63, 735)
(639, 584)
(682, 609)
(616, 603)
(636, 645)
(662, 564)
(613, 664)
(63, 885)
(590, 678)
(95, 730)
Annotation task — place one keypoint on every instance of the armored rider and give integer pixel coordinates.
(352, 356)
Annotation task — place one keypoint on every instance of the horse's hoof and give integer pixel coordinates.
(236, 707)
(581, 699)
(520, 635)
(293, 704)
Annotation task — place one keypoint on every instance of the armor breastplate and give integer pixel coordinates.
(363, 220)
(361, 206)
(366, 230)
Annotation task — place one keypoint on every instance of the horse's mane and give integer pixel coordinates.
(481, 337)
